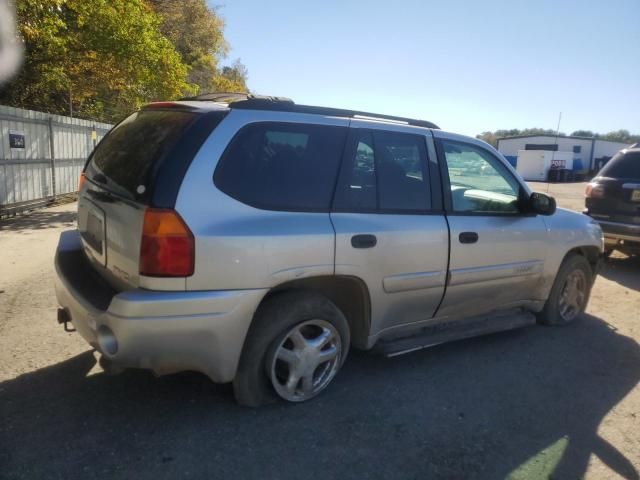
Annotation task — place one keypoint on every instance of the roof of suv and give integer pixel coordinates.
(244, 101)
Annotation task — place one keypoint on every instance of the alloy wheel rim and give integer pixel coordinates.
(306, 360)
(572, 295)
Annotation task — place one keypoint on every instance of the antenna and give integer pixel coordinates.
(553, 153)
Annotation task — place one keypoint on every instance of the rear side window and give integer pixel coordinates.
(385, 171)
(124, 160)
(622, 166)
(282, 166)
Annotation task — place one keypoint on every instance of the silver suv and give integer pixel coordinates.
(257, 241)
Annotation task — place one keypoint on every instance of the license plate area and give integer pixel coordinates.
(91, 223)
(635, 195)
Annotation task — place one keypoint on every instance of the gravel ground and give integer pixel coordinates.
(539, 402)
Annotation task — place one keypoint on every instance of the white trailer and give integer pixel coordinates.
(534, 165)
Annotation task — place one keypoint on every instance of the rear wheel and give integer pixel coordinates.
(295, 347)
(570, 292)
(108, 366)
(305, 360)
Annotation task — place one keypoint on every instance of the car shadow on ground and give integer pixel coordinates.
(521, 404)
(623, 270)
(38, 220)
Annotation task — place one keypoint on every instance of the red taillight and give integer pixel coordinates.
(594, 190)
(168, 247)
(81, 181)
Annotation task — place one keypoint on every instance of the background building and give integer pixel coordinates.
(588, 153)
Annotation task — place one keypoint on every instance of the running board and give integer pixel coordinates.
(455, 330)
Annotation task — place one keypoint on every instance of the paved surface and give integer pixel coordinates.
(533, 403)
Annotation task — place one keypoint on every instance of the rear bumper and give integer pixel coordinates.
(616, 231)
(165, 332)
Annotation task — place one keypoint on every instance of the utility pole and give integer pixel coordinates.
(558, 129)
(553, 153)
(70, 103)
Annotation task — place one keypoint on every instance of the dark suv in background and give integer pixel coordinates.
(613, 200)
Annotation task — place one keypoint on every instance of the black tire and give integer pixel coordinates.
(273, 319)
(108, 367)
(550, 314)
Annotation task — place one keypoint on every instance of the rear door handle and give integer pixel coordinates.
(364, 241)
(468, 237)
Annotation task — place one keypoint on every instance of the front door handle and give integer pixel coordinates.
(468, 237)
(364, 241)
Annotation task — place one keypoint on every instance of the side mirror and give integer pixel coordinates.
(542, 204)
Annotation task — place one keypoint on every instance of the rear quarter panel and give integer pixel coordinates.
(239, 246)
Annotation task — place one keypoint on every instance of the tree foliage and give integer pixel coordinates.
(231, 79)
(101, 59)
(618, 136)
(492, 137)
(582, 133)
(196, 31)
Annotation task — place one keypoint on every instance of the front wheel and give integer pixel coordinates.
(570, 292)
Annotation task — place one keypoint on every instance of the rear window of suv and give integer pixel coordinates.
(124, 160)
(622, 165)
(282, 166)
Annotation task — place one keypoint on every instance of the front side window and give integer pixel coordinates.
(282, 166)
(479, 182)
(385, 171)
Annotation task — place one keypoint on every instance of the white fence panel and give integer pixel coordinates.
(30, 172)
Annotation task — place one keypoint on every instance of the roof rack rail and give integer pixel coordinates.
(276, 104)
(224, 97)
(231, 97)
(248, 101)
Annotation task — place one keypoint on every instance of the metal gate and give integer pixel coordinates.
(41, 156)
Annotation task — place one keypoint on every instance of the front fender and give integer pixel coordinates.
(569, 231)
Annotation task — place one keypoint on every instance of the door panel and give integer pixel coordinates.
(385, 199)
(497, 251)
(405, 271)
(502, 268)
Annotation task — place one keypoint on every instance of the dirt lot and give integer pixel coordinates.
(568, 195)
(540, 402)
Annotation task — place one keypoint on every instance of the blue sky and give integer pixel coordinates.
(468, 66)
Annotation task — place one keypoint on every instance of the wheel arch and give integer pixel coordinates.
(350, 294)
(590, 252)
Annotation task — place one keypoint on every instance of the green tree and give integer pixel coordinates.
(489, 137)
(196, 31)
(621, 136)
(231, 79)
(582, 133)
(541, 131)
(100, 59)
(492, 137)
